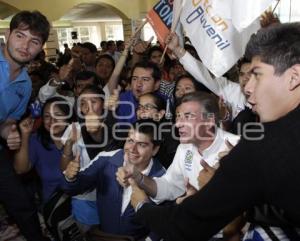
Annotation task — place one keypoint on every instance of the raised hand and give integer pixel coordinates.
(65, 72)
(142, 46)
(172, 41)
(126, 172)
(138, 195)
(73, 168)
(113, 101)
(13, 138)
(26, 126)
(189, 191)
(205, 174)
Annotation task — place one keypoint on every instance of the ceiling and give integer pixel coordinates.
(90, 12)
(82, 12)
(6, 11)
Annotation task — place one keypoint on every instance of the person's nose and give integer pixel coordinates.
(139, 83)
(26, 44)
(133, 148)
(178, 122)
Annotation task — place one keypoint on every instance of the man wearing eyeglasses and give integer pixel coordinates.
(197, 118)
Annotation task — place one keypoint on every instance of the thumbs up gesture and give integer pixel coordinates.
(138, 195)
(73, 168)
(112, 102)
(13, 138)
(205, 174)
(126, 172)
(26, 126)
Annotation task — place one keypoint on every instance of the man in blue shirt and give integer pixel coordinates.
(25, 38)
(145, 78)
(113, 200)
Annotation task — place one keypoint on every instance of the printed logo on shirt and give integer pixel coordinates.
(188, 160)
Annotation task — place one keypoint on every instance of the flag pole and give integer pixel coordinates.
(133, 37)
(176, 20)
(140, 27)
(275, 6)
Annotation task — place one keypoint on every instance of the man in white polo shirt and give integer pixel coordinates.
(197, 117)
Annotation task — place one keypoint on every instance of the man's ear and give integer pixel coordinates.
(294, 81)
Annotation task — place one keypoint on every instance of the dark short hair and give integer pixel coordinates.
(85, 75)
(156, 73)
(94, 89)
(198, 86)
(36, 22)
(90, 46)
(65, 107)
(110, 43)
(242, 61)
(158, 100)
(153, 49)
(277, 45)
(150, 128)
(119, 43)
(207, 101)
(103, 43)
(108, 57)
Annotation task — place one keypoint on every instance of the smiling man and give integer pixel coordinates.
(113, 200)
(257, 171)
(24, 40)
(197, 118)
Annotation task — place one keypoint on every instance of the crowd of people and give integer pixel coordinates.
(128, 144)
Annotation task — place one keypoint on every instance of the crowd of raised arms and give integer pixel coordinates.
(123, 143)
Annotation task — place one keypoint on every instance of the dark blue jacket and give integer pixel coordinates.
(101, 174)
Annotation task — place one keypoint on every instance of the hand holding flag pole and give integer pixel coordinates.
(173, 27)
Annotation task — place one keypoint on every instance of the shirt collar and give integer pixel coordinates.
(147, 170)
(23, 73)
(214, 147)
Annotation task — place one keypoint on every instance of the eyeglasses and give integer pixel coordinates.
(186, 116)
(147, 107)
(192, 116)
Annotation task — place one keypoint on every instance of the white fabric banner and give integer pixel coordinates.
(176, 24)
(217, 41)
(241, 12)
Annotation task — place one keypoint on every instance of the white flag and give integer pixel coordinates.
(241, 12)
(217, 41)
(176, 24)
